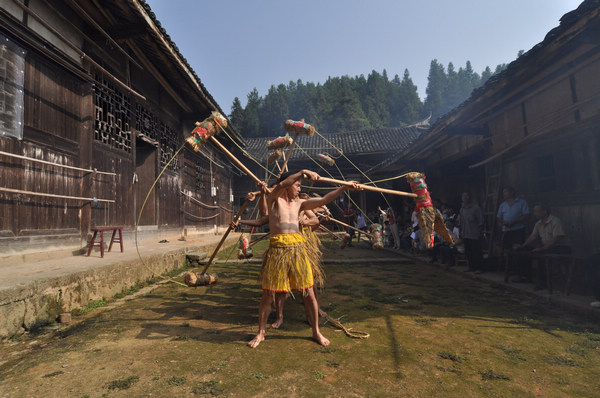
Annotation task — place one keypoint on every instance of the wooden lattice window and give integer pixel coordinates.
(113, 115)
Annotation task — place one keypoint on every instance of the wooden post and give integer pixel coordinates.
(225, 235)
(289, 155)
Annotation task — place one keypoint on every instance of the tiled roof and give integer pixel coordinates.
(382, 141)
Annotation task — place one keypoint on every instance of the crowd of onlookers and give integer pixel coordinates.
(466, 226)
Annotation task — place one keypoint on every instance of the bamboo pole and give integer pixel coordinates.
(234, 159)
(64, 166)
(323, 228)
(284, 168)
(349, 226)
(235, 218)
(366, 187)
(51, 195)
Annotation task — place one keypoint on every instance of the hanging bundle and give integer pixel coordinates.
(299, 127)
(193, 279)
(345, 240)
(274, 156)
(244, 249)
(328, 160)
(206, 129)
(280, 142)
(430, 219)
(377, 236)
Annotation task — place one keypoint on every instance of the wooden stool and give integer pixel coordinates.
(101, 243)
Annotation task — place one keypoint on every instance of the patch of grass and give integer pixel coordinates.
(119, 296)
(333, 364)
(319, 375)
(260, 376)
(451, 356)
(474, 331)
(180, 338)
(177, 381)
(425, 321)
(325, 350)
(185, 325)
(451, 370)
(95, 304)
(562, 361)
(210, 387)
(58, 372)
(576, 350)
(512, 352)
(493, 375)
(155, 378)
(135, 288)
(123, 384)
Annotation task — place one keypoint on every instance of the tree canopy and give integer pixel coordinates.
(343, 104)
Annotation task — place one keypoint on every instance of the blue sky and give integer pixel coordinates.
(236, 45)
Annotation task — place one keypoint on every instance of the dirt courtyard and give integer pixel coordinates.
(433, 334)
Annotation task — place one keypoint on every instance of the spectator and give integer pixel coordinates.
(592, 270)
(512, 214)
(447, 252)
(394, 228)
(471, 229)
(350, 218)
(386, 233)
(406, 239)
(383, 216)
(549, 237)
(360, 224)
(418, 243)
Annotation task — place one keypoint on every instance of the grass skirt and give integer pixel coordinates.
(315, 254)
(286, 264)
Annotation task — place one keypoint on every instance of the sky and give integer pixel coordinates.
(238, 45)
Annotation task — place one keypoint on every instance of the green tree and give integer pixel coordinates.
(250, 127)
(236, 117)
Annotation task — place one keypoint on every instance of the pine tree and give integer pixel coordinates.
(236, 117)
(436, 83)
(250, 127)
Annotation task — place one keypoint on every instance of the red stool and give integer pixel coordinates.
(113, 239)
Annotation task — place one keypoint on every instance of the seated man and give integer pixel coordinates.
(548, 236)
(448, 252)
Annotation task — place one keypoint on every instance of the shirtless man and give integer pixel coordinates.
(285, 265)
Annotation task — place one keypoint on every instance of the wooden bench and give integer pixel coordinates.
(113, 239)
(546, 260)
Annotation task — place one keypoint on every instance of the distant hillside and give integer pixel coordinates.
(343, 104)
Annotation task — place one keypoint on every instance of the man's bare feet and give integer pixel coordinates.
(321, 339)
(277, 324)
(256, 340)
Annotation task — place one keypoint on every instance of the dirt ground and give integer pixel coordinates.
(433, 334)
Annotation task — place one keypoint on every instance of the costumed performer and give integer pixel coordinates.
(286, 265)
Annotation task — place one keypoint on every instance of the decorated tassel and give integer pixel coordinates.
(206, 129)
(193, 279)
(280, 142)
(244, 250)
(377, 240)
(274, 156)
(325, 159)
(299, 127)
(429, 218)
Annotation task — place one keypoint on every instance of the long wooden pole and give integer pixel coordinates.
(350, 226)
(328, 231)
(235, 218)
(367, 187)
(289, 155)
(234, 159)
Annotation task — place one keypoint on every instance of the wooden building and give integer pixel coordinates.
(95, 100)
(535, 126)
